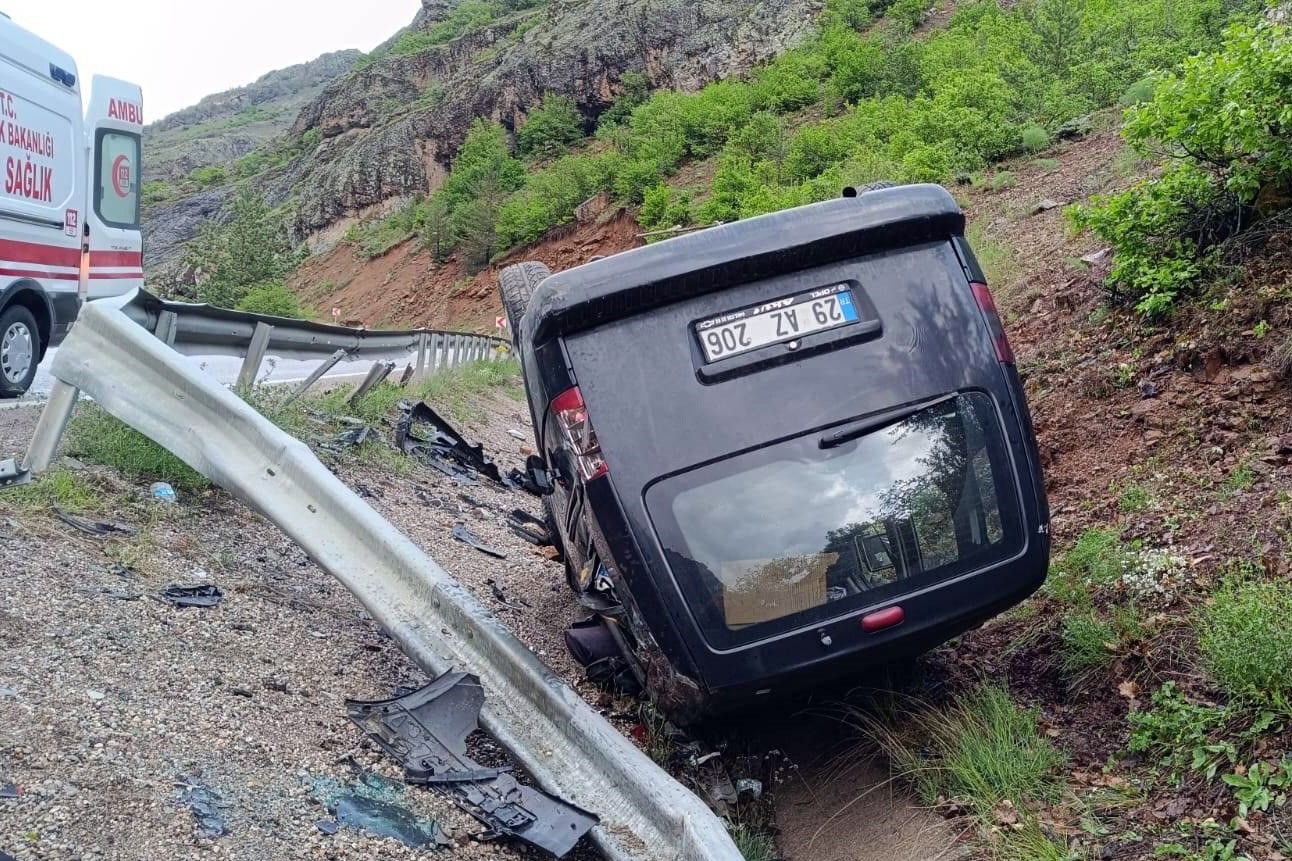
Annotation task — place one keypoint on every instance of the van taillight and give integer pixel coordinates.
(580, 437)
(986, 304)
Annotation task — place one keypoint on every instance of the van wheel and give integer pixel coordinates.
(19, 351)
(516, 284)
(557, 544)
(876, 186)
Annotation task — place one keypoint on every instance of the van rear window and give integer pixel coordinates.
(795, 534)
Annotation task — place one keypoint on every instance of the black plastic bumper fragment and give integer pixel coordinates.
(426, 731)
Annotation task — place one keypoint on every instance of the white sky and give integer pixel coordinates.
(182, 50)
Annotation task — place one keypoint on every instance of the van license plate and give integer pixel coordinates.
(772, 322)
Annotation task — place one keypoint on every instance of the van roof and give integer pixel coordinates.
(28, 50)
(710, 260)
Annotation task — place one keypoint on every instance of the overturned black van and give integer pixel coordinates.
(784, 449)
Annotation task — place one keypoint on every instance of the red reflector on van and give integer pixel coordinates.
(986, 304)
(881, 619)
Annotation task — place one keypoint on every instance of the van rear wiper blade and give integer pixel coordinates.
(874, 422)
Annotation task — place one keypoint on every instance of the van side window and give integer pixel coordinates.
(116, 190)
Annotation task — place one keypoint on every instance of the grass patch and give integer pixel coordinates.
(1003, 180)
(754, 845)
(455, 392)
(1046, 163)
(997, 260)
(1089, 643)
(1133, 498)
(982, 750)
(71, 491)
(1097, 559)
(94, 436)
(1246, 639)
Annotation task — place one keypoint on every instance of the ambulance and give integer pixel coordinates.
(69, 197)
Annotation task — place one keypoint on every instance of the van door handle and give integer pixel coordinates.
(874, 422)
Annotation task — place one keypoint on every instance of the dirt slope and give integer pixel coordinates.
(406, 287)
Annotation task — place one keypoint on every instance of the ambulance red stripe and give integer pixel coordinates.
(31, 273)
(44, 255)
(119, 259)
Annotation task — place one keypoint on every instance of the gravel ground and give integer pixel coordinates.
(111, 701)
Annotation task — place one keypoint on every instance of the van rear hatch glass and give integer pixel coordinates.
(833, 522)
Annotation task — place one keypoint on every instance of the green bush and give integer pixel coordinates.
(1168, 234)
(665, 207)
(272, 298)
(1246, 639)
(1034, 138)
(466, 17)
(908, 14)
(551, 128)
(1137, 93)
(1002, 180)
(550, 197)
(206, 177)
(252, 248)
(634, 90)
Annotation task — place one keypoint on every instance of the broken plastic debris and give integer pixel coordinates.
(529, 527)
(163, 492)
(91, 527)
(426, 731)
(447, 450)
(377, 806)
(355, 436)
(747, 787)
(466, 536)
(10, 790)
(192, 596)
(205, 806)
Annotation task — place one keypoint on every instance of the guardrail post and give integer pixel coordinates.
(437, 348)
(255, 355)
(407, 375)
(167, 322)
(315, 375)
(50, 427)
(379, 372)
(423, 344)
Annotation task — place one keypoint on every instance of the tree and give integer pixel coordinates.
(253, 247)
(634, 90)
(551, 128)
(437, 228)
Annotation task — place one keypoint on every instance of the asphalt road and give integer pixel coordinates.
(223, 368)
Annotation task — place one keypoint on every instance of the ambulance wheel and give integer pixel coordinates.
(516, 284)
(19, 351)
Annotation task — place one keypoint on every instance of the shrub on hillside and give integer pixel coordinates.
(634, 90)
(272, 298)
(551, 128)
(665, 207)
(252, 248)
(1222, 123)
(1034, 138)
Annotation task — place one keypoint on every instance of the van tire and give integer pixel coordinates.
(18, 325)
(516, 284)
(876, 186)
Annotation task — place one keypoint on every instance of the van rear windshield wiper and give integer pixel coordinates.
(874, 422)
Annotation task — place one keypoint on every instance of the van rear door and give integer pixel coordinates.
(114, 126)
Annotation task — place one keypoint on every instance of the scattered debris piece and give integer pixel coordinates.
(426, 731)
(501, 596)
(91, 527)
(520, 435)
(354, 436)
(192, 596)
(1075, 128)
(1148, 390)
(1045, 205)
(11, 474)
(10, 790)
(204, 802)
(466, 536)
(163, 492)
(377, 806)
(1094, 258)
(529, 527)
(447, 450)
(748, 787)
(593, 645)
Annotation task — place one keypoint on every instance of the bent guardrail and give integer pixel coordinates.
(205, 330)
(567, 746)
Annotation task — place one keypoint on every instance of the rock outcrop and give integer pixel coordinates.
(389, 128)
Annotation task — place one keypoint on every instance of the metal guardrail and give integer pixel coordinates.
(205, 330)
(570, 749)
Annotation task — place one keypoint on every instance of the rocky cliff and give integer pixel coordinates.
(228, 125)
(389, 128)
